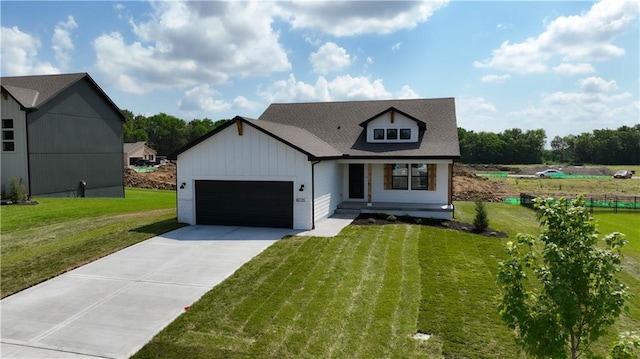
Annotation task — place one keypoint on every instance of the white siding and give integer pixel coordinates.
(14, 164)
(399, 121)
(328, 188)
(254, 156)
(379, 194)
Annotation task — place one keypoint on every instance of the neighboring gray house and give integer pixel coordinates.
(61, 136)
(300, 162)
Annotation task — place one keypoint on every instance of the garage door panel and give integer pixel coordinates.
(245, 203)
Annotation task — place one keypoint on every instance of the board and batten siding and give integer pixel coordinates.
(76, 136)
(254, 156)
(328, 188)
(14, 163)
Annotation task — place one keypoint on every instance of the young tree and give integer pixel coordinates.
(481, 219)
(577, 294)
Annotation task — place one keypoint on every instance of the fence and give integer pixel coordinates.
(615, 203)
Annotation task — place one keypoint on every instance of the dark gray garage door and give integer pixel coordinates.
(245, 203)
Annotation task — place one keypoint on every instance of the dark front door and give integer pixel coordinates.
(245, 203)
(356, 180)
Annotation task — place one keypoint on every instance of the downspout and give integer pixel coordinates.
(313, 194)
(26, 131)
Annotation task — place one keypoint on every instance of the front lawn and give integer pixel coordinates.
(59, 234)
(363, 294)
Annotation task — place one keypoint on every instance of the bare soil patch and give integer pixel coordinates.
(467, 186)
(164, 177)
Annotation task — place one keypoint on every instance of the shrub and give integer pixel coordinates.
(493, 234)
(16, 193)
(464, 229)
(481, 220)
(445, 224)
(391, 218)
(371, 220)
(418, 221)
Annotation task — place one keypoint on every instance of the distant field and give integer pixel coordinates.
(59, 234)
(562, 186)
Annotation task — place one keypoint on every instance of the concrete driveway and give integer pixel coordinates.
(112, 307)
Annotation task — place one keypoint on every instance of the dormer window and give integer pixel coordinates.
(378, 134)
(392, 134)
(405, 133)
(393, 126)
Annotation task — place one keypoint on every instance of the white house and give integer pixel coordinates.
(299, 163)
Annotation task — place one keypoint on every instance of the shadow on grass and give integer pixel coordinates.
(160, 227)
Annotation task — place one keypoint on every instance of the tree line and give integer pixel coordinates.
(513, 146)
(166, 134)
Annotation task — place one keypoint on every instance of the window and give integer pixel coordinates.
(400, 177)
(392, 133)
(378, 134)
(422, 176)
(405, 133)
(419, 176)
(8, 138)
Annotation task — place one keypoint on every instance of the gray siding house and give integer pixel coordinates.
(61, 136)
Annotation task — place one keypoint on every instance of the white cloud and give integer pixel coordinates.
(340, 88)
(396, 46)
(186, 43)
(407, 93)
(597, 85)
(329, 58)
(595, 106)
(573, 69)
(19, 54)
(201, 99)
(477, 113)
(61, 41)
(350, 18)
(585, 37)
(242, 102)
(497, 79)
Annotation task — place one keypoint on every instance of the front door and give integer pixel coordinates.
(356, 180)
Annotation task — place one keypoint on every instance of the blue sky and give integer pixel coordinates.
(568, 67)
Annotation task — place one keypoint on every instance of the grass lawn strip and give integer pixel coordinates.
(23, 269)
(362, 294)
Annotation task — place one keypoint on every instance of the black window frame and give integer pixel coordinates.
(377, 131)
(423, 179)
(403, 131)
(390, 131)
(8, 135)
(394, 176)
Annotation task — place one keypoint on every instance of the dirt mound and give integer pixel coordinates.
(468, 187)
(163, 177)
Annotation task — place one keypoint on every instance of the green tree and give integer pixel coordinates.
(576, 293)
(481, 219)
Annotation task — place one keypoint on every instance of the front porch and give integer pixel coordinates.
(424, 210)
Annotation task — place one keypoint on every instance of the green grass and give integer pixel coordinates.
(59, 234)
(363, 293)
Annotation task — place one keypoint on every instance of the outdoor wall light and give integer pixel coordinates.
(183, 185)
(301, 188)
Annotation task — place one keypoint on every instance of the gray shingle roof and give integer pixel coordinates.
(33, 91)
(338, 124)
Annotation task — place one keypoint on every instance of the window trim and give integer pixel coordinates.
(430, 175)
(425, 177)
(378, 130)
(394, 176)
(8, 126)
(401, 131)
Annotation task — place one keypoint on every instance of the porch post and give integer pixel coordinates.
(369, 182)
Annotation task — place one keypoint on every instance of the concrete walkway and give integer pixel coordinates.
(112, 307)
